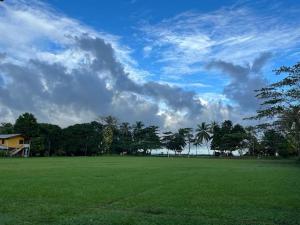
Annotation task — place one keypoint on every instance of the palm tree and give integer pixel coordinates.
(125, 138)
(203, 134)
(166, 141)
(196, 143)
(125, 127)
(108, 121)
(138, 135)
(188, 135)
(213, 124)
(151, 139)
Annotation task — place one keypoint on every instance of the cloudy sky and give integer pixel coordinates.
(170, 64)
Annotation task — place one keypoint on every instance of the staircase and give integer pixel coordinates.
(16, 151)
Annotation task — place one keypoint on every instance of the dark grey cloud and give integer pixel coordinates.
(244, 80)
(136, 109)
(37, 85)
(105, 60)
(175, 97)
(2, 56)
(235, 71)
(260, 61)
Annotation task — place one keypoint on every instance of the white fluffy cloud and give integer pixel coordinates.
(32, 29)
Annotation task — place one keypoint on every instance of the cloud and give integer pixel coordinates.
(50, 36)
(54, 72)
(2, 56)
(175, 97)
(82, 92)
(244, 80)
(98, 87)
(66, 72)
(260, 62)
(185, 43)
(238, 40)
(185, 84)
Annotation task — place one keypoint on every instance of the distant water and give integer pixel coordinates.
(199, 151)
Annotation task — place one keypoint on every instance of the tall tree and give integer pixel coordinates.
(225, 142)
(174, 141)
(213, 124)
(202, 134)
(6, 128)
(216, 138)
(108, 137)
(281, 103)
(196, 144)
(289, 124)
(27, 125)
(272, 142)
(138, 135)
(81, 139)
(125, 137)
(238, 139)
(51, 136)
(252, 140)
(179, 141)
(166, 140)
(188, 133)
(151, 139)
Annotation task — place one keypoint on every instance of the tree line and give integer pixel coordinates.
(280, 135)
(108, 136)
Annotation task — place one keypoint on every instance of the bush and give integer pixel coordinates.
(283, 152)
(3, 153)
(285, 149)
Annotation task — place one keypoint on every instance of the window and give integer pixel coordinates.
(21, 142)
(3, 141)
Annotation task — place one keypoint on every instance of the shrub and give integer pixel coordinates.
(3, 153)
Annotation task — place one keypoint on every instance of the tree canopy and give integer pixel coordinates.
(280, 105)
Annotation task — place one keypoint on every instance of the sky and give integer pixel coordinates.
(172, 64)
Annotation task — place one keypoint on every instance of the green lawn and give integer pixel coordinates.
(148, 190)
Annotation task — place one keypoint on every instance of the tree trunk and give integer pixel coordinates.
(49, 147)
(207, 148)
(298, 144)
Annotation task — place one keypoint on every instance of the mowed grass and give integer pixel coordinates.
(148, 190)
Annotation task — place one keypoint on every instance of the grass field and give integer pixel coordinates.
(148, 190)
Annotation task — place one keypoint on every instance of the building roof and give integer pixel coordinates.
(6, 136)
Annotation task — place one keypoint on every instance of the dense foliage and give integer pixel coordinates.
(109, 136)
(280, 109)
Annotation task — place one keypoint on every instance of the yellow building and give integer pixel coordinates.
(14, 144)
